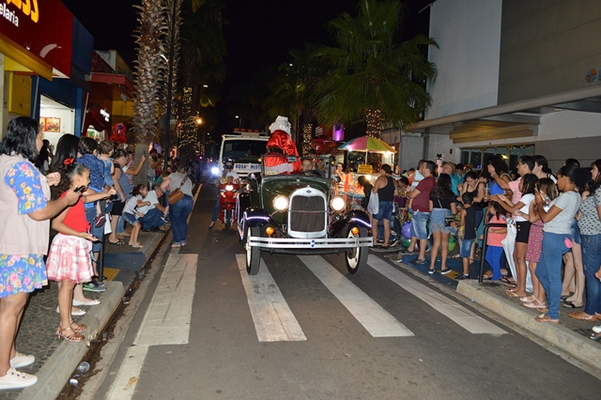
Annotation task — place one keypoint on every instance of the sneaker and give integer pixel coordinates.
(22, 360)
(597, 329)
(461, 277)
(446, 271)
(431, 271)
(419, 262)
(76, 312)
(16, 380)
(90, 302)
(94, 286)
(393, 242)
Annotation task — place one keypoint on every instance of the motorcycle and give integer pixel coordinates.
(228, 193)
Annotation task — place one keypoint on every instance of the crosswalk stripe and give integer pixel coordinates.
(274, 321)
(167, 320)
(375, 319)
(449, 308)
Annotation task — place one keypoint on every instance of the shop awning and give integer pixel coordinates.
(113, 79)
(517, 119)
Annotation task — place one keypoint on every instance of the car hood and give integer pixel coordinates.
(273, 186)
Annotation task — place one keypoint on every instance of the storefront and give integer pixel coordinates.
(35, 41)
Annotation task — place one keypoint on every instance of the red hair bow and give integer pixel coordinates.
(68, 161)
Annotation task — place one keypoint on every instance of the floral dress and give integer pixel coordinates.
(23, 272)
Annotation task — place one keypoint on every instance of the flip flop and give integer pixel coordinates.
(118, 242)
(545, 318)
(569, 304)
(511, 293)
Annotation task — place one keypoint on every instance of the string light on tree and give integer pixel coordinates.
(374, 122)
(307, 137)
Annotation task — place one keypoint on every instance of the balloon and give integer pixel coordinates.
(405, 242)
(406, 229)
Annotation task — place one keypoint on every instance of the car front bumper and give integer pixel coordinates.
(333, 244)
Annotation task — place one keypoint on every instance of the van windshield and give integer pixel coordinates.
(244, 150)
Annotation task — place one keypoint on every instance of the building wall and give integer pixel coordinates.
(561, 135)
(468, 33)
(548, 47)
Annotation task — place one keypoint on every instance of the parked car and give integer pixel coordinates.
(299, 214)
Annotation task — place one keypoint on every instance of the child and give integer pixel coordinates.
(69, 256)
(105, 149)
(494, 248)
(468, 221)
(535, 240)
(131, 213)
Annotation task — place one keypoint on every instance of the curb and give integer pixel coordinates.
(59, 367)
(578, 346)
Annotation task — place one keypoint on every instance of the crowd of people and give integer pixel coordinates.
(79, 190)
(544, 242)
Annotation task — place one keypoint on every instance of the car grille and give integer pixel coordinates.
(307, 213)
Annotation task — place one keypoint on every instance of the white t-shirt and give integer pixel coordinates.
(152, 198)
(569, 202)
(526, 199)
(130, 205)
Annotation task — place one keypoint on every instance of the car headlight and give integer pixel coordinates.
(337, 203)
(280, 203)
(215, 171)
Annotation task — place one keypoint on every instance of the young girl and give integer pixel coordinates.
(522, 223)
(469, 222)
(494, 248)
(131, 213)
(556, 239)
(69, 256)
(548, 188)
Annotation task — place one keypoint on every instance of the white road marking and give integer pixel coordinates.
(449, 308)
(375, 319)
(167, 321)
(274, 321)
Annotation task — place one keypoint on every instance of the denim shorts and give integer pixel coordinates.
(466, 248)
(384, 211)
(129, 218)
(576, 232)
(437, 220)
(418, 225)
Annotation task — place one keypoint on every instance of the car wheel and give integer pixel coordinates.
(356, 258)
(253, 254)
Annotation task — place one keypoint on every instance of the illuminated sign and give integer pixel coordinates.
(27, 7)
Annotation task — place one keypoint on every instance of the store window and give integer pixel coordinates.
(56, 119)
(511, 154)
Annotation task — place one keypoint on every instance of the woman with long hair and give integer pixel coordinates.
(442, 206)
(26, 207)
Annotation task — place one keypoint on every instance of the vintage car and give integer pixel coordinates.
(286, 212)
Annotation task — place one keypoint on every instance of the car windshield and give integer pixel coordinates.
(244, 150)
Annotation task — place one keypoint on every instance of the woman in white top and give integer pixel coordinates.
(527, 186)
(178, 212)
(557, 238)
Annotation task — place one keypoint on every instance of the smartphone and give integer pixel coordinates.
(80, 189)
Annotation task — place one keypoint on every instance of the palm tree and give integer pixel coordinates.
(371, 75)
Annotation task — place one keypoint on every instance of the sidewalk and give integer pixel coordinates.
(57, 359)
(570, 335)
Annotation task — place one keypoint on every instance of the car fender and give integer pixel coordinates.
(255, 216)
(356, 217)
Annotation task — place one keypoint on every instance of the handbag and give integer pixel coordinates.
(177, 194)
(373, 207)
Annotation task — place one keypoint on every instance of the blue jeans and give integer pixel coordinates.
(493, 258)
(178, 213)
(548, 269)
(152, 219)
(216, 210)
(591, 258)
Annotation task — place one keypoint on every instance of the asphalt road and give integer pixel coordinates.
(202, 332)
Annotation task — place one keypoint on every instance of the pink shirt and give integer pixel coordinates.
(494, 239)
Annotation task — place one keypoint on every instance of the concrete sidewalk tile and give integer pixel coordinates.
(579, 346)
(56, 371)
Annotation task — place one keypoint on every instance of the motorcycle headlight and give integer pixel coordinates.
(215, 171)
(229, 188)
(337, 203)
(280, 203)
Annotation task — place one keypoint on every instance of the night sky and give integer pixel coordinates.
(256, 32)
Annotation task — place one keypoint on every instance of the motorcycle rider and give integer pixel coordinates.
(228, 171)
